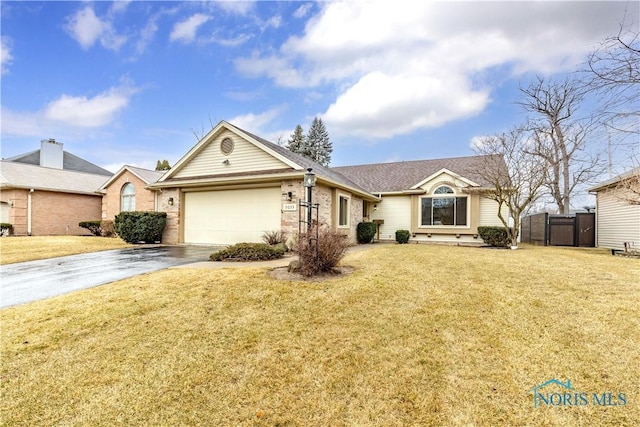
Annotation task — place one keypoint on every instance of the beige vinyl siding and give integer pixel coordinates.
(617, 221)
(488, 215)
(245, 157)
(396, 213)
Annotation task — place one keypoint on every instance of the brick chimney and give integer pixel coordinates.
(51, 154)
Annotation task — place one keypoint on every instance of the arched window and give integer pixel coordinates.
(444, 208)
(443, 190)
(128, 197)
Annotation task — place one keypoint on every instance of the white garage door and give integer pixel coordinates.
(231, 216)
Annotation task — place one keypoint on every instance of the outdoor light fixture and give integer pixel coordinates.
(225, 162)
(375, 207)
(170, 201)
(309, 179)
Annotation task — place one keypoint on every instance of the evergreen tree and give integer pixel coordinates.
(162, 165)
(319, 147)
(297, 141)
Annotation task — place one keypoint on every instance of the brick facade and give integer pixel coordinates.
(145, 199)
(52, 213)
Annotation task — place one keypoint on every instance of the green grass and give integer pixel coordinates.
(29, 248)
(417, 335)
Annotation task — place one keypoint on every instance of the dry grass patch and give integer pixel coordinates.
(417, 335)
(29, 248)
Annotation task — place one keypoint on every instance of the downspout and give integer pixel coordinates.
(29, 212)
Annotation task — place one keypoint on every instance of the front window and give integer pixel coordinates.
(128, 198)
(444, 209)
(343, 213)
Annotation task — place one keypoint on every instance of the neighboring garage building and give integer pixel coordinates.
(49, 191)
(618, 212)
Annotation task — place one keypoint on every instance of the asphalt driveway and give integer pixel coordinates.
(34, 280)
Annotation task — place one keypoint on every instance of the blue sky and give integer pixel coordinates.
(133, 82)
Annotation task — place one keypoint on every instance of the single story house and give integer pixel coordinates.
(49, 191)
(618, 212)
(127, 190)
(232, 186)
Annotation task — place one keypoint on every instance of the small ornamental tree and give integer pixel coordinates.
(514, 176)
(323, 255)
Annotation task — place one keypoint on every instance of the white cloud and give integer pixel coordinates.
(255, 123)
(69, 112)
(303, 10)
(97, 111)
(402, 103)
(87, 28)
(6, 57)
(398, 69)
(185, 31)
(22, 123)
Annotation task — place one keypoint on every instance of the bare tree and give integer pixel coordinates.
(560, 137)
(613, 72)
(515, 175)
(629, 187)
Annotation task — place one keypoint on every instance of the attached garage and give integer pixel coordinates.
(231, 216)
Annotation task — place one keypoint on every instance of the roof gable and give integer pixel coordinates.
(458, 180)
(147, 176)
(247, 155)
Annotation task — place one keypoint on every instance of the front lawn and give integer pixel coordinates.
(28, 248)
(417, 335)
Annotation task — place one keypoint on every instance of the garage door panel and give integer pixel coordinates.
(231, 216)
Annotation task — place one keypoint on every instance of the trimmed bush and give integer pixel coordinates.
(136, 227)
(321, 256)
(248, 252)
(106, 228)
(402, 236)
(366, 231)
(494, 236)
(5, 228)
(274, 237)
(92, 226)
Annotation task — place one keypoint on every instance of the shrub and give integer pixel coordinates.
(494, 236)
(366, 231)
(248, 252)
(322, 255)
(402, 236)
(106, 228)
(5, 228)
(274, 237)
(92, 226)
(135, 227)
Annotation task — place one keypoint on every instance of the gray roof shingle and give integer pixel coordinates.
(401, 176)
(70, 162)
(23, 175)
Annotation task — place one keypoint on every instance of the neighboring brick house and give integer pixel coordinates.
(49, 191)
(126, 191)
